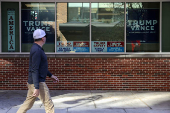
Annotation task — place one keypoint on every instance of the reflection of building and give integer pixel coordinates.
(61, 18)
(105, 20)
(75, 31)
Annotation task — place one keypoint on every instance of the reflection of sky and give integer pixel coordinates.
(96, 5)
(78, 5)
(40, 6)
(107, 5)
(134, 5)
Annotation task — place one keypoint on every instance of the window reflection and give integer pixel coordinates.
(107, 27)
(165, 26)
(73, 27)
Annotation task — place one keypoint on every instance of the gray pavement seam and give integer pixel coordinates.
(125, 110)
(145, 103)
(141, 100)
(9, 110)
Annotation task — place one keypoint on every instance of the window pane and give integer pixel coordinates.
(107, 27)
(10, 26)
(73, 27)
(166, 27)
(142, 27)
(38, 16)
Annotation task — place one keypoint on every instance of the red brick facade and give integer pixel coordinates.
(151, 74)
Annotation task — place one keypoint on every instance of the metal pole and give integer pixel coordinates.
(20, 25)
(55, 28)
(0, 29)
(160, 30)
(125, 28)
(90, 28)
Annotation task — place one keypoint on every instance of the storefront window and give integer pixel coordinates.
(142, 27)
(10, 26)
(73, 27)
(107, 27)
(37, 16)
(165, 27)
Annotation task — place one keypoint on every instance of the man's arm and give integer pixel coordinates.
(49, 74)
(36, 59)
(54, 78)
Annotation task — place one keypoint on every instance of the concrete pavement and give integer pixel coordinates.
(91, 101)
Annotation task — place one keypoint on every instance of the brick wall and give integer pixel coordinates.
(92, 73)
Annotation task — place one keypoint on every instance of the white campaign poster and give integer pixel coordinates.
(64, 46)
(99, 46)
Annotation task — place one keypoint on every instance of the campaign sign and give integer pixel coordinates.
(64, 46)
(143, 25)
(99, 46)
(11, 30)
(81, 46)
(115, 46)
(35, 19)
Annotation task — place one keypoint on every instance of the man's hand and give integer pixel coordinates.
(55, 79)
(36, 92)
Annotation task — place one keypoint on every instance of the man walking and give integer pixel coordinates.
(38, 70)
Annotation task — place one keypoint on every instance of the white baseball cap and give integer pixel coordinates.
(39, 33)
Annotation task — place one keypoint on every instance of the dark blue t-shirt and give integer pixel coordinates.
(38, 66)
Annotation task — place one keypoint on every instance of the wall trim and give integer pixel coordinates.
(89, 56)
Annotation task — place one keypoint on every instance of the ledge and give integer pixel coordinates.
(90, 55)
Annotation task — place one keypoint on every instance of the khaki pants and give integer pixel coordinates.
(44, 96)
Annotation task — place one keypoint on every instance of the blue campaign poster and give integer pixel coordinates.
(115, 49)
(142, 25)
(35, 19)
(81, 49)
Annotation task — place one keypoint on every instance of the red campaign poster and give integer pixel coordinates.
(80, 44)
(115, 44)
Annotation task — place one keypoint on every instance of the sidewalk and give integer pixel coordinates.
(86, 101)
